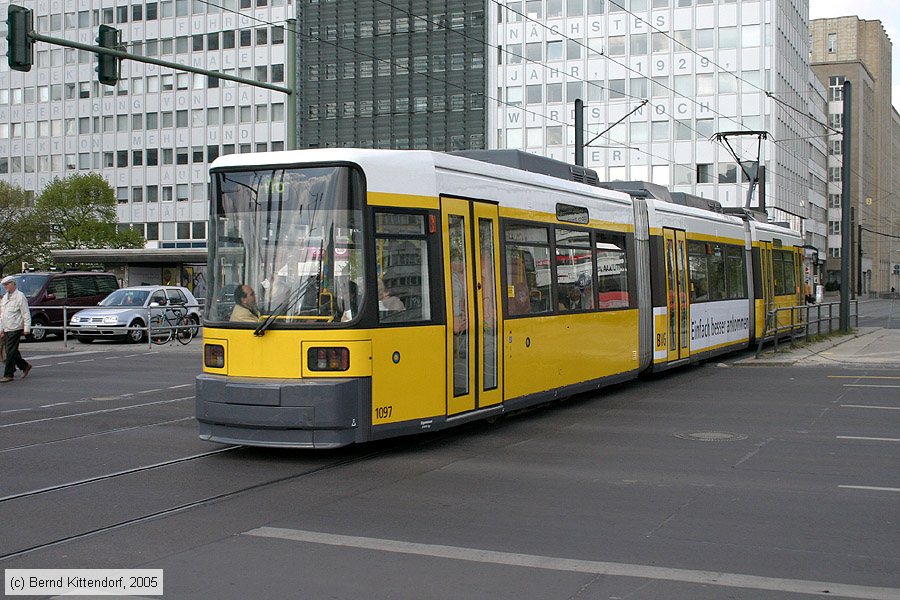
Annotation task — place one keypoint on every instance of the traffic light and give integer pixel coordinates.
(20, 44)
(108, 65)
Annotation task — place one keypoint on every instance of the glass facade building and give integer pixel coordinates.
(402, 74)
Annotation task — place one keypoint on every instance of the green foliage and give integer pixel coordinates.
(79, 212)
(18, 230)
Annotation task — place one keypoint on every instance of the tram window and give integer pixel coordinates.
(574, 278)
(401, 264)
(783, 263)
(716, 271)
(698, 274)
(612, 271)
(735, 275)
(527, 269)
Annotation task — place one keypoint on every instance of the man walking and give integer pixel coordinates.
(15, 321)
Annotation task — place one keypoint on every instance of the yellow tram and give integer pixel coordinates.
(362, 294)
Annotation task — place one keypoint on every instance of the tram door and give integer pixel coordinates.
(676, 294)
(768, 281)
(472, 284)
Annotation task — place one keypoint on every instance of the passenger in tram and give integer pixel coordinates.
(244, 310)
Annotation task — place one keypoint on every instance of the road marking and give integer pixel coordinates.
(52, 405)
(86, 360)
(872, 385)
(67, 362)
(150, 391)
(94, 412)
(66, 355)
(175, 387)
(864, 406)
(14, 410)
(731, 580)
(870, 439)
(862, 377)
(869, 487)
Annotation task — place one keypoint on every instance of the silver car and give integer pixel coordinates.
(127, 312)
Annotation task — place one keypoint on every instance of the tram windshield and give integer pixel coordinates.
(286, 247)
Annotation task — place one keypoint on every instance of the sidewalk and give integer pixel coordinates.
(866, 347)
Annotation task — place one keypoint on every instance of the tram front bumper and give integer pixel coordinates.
(289, 413)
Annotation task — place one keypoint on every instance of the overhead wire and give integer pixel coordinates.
(515, 106)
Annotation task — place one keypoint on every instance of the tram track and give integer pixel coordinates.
(94, 412)
(173, 510)
(93, 434)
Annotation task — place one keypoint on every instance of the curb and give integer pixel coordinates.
(769, 358)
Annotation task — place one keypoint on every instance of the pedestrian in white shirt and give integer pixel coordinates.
(15, 321)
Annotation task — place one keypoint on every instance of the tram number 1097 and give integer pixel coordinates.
(383, 412)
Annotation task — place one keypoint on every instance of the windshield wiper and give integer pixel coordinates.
(279, 310)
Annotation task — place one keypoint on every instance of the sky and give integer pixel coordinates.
(886, 11)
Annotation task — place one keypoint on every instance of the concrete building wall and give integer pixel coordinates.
(153, 135)
(848, 48)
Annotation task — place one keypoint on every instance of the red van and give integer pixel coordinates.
(49, 292)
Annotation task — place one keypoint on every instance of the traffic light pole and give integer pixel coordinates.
(154, 61)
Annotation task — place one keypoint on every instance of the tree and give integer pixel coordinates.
(79, 211)
(18, 236)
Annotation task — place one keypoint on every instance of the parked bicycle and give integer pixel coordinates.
(172, 321)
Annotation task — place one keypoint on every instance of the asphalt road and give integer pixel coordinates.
(716, 481)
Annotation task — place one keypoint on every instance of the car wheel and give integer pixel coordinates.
(136, 336)
(38, 330)
(85, 340)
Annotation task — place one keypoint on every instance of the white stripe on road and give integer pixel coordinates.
(94, 412)
(175, 387)
(869, 487)
(66, 355)
(731, 580)
(862, 377)
(868, 439)
(865, 406)
(872, 385)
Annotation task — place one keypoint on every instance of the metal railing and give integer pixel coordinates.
(800, 322)
(158, 323)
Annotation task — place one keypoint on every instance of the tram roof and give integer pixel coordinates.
(381, 168)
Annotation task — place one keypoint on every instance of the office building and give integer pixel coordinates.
(154, 134)
(859, 51)
(705, 66)
(406, 74)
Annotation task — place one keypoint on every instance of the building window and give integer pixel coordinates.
(836, 88)
(834, 174)
(834, 228)
(832, 43)
(705, 173)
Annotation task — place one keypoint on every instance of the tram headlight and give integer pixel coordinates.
(328, 359)
(214, 356)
